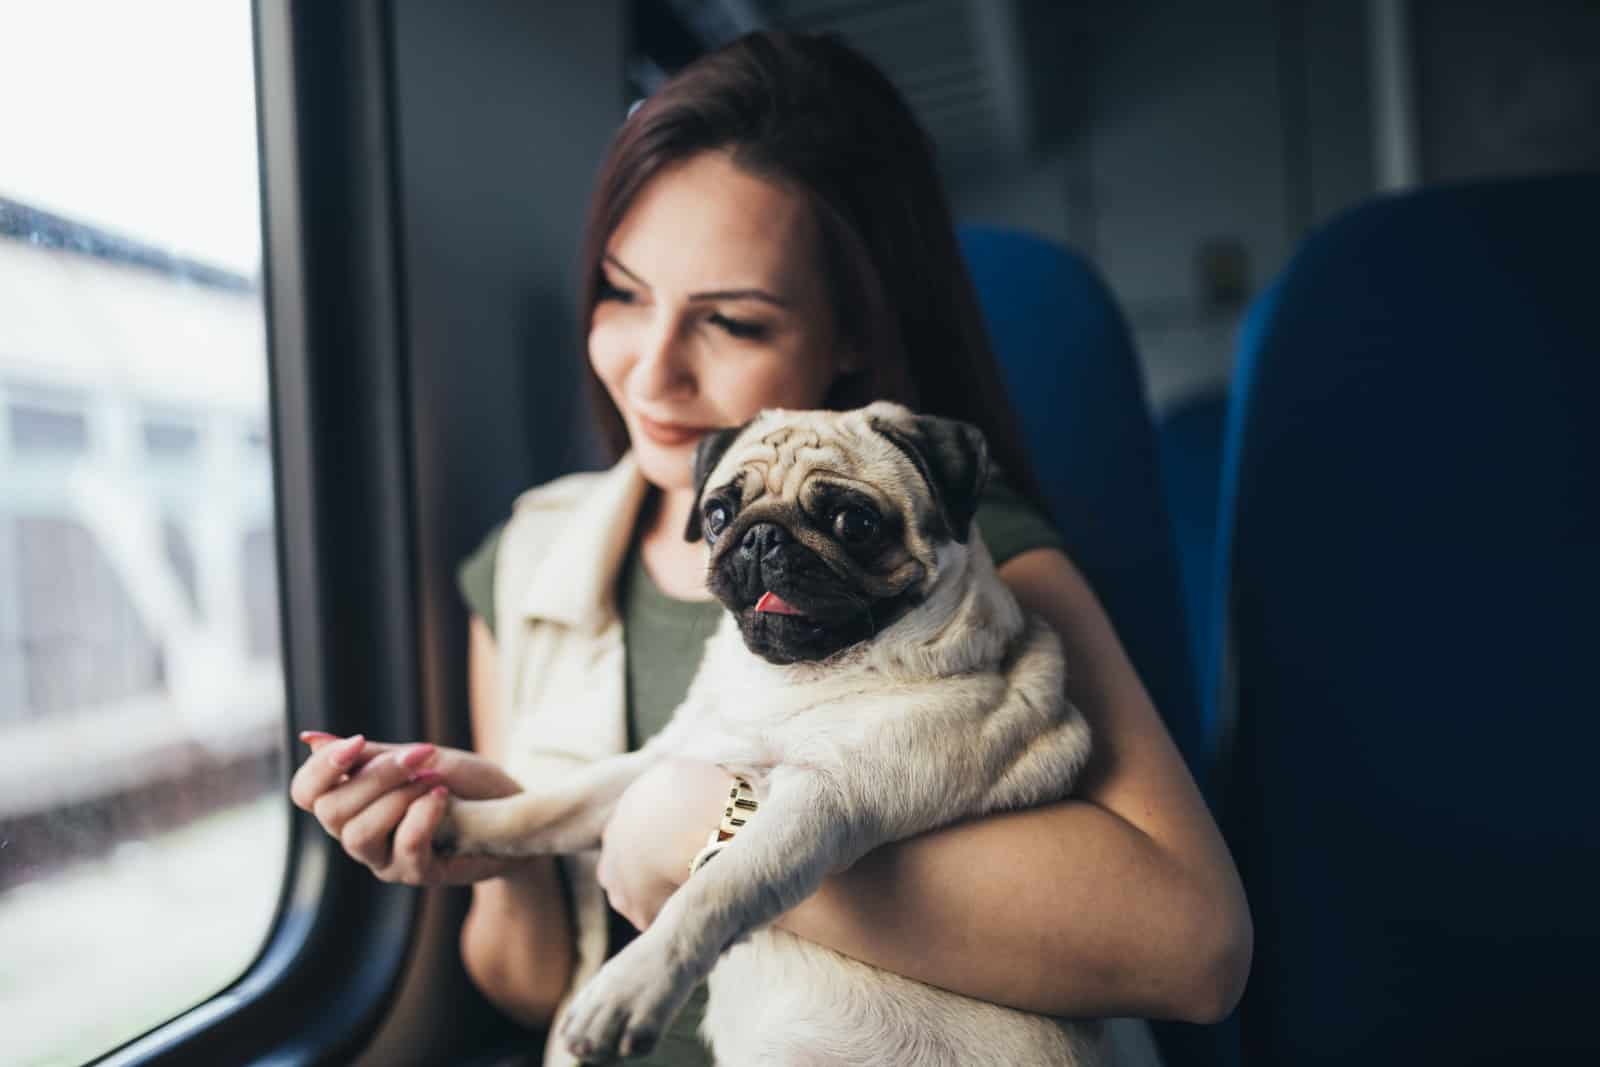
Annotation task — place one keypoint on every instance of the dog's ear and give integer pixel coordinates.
(953, 458)
(706, 454)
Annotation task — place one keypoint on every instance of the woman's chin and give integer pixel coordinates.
(665, 466)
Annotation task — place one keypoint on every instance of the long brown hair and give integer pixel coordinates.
(810, 113)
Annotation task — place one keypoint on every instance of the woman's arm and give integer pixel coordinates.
(516, 942)
(1121, 901)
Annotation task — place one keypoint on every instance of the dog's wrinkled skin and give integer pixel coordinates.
(896, 687)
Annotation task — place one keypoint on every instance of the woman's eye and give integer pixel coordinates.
(716, 521)
(607, 291)
(744, 331)
(855, 526)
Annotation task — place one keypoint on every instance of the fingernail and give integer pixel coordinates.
(416, 756)
(311, 737)
(427, 777)
(439, 791)
(347, 751)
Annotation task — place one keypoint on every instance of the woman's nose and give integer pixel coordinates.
(663, 359)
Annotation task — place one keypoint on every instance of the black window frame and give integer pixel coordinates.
(340, 439)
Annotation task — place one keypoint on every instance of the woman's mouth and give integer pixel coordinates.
(669, 434)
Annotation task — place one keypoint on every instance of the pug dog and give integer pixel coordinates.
(872, 679)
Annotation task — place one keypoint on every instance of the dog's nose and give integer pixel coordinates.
(763, 537)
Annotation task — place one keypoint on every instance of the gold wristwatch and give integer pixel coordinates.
(741, 806)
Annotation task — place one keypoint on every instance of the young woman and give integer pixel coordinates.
(768, 231)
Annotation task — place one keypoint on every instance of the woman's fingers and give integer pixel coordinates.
(369, 834)
(317, 740)
(383, 802)
(387, 771)
(413, 839)
(323, 770)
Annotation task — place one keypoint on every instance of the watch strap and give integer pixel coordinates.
(740, 808)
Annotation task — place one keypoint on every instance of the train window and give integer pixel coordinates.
(76, 639)
(168, 437)
(180, 555)
(259, 575)
(46, 422)
(143, 828)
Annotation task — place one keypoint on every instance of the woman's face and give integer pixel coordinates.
(712, 306)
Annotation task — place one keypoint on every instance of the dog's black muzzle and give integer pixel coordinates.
(763, 539)
(767, 558)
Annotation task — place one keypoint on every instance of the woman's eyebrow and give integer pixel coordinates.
(740, 294)
(617, 263)
(715, 294)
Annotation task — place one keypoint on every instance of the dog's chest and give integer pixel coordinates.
(741, 708)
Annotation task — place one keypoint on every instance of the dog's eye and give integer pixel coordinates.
(716, 521)
(855, 526)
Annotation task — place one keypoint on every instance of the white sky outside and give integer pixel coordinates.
(135, 116)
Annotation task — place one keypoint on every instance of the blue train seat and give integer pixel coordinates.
(1075, 383)
(1190, 438)
(1411, 532)
(1189, 441)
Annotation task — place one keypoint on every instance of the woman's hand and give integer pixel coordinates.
(659, 825)
(382, 802)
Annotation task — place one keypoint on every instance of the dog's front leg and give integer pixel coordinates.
(804, 830)
(564, 816)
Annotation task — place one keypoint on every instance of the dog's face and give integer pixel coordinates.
(826, 527)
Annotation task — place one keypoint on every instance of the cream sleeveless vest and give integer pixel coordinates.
(561, 658)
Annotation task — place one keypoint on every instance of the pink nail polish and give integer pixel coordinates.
(439, 791)
(312, 737)
(427, 777)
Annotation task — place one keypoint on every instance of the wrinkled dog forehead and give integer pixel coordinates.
(780, 450)
(927, 469)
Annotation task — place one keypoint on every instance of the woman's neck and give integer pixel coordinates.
(668, 514)
(677, 566)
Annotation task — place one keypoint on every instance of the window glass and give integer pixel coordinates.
(260, 577)
(180, 556)
(46, 422)
(171, 439)
(143, 820)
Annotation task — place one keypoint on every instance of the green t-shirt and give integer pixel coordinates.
(664, 639)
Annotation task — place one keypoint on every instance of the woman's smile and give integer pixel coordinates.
(669, 434)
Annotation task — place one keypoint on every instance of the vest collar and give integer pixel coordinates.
(576, 581)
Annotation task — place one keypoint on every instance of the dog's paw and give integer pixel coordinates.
(446, 835)
(473, 828)
(498, 828)
(624, 1009)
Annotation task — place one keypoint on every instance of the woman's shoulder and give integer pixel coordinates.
(535, 507)
(1011, 524)
(558, 494)
(537, 513)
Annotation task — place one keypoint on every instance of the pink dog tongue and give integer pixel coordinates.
(771, 601)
